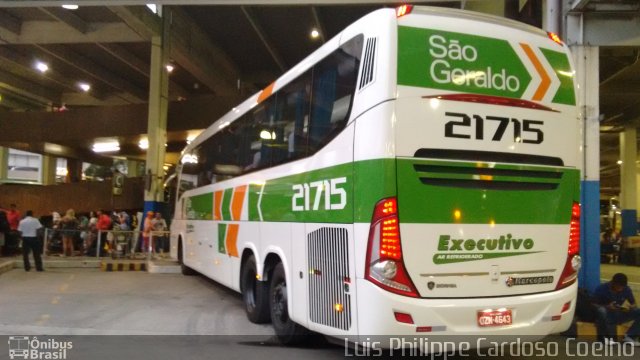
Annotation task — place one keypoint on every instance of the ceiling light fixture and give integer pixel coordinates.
(314, 33)
(170, 68)
(107, 146)
(42, 67)
(70, 6)
(143, 144)
(84, 86)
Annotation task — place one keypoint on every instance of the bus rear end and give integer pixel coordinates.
(482, 235)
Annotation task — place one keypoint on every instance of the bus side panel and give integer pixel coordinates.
(299, 278)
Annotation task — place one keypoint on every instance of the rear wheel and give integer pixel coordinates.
(287, 330)
(184, 268)
(255, 294)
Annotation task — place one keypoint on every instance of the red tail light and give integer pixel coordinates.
(574, 230)
(403, 10)
(385, 266)
(573, 263)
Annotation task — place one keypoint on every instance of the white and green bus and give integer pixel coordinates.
(417, 174)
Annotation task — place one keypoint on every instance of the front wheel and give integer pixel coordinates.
(255, 294)
(184, 268)
(287, 331)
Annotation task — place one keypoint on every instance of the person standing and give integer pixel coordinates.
(147, 228)
(103, 226)
(4, 231)
(159, 227)
(69, 224)
(28, 227)
(13, 216)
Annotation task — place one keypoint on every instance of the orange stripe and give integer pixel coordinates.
(545, 80)
(266, 92)
(217, 204)
(231, 240)
(238, 201)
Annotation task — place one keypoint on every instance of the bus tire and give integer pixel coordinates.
(287, 331)
(255, 294)
(184, 269)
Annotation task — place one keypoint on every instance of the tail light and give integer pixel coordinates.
(573, 263)
(403, 10)
(555, 38)
(384, 266)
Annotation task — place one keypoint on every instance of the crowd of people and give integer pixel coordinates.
(74, 234)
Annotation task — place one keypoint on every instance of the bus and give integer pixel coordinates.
(415, 175)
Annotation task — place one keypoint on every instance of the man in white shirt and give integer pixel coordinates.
(28, 228)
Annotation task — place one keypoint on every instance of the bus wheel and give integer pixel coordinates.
(287, 331)
(255, 294)
(184, 268)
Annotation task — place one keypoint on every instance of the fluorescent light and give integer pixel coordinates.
(143, 144)
(107, 146)
(84, 86)
(70, 6)
(42, 67)
(314, 33)
(189, 159)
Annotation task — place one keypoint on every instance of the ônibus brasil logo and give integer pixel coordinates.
(452, 250)
(25, 347)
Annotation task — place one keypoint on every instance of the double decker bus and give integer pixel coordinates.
(417, 174)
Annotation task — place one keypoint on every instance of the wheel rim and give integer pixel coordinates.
(280, 302)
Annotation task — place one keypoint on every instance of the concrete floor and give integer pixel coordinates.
(61, 304)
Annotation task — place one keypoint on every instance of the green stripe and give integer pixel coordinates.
(226, 204)
(375, 180)
(560, 63)
(254, 195)
(222, 231)
(422, 203)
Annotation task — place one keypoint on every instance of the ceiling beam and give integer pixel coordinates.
(52, 32)
(87, 66)
(119, 52)
(24, 63)
(68, 18)
(268, 44)
(192, 48)
(109, 121)
(10, 22)
(18, 103)
(28, 88)
(189, 46)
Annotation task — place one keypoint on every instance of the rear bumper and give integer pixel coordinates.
(533, 315)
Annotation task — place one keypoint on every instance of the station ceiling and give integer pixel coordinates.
(222, 52)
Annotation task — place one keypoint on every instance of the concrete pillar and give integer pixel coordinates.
(628, 181)
(586, 61)
(4, 163)
(157, 121)
(74, 170)
(48, 170)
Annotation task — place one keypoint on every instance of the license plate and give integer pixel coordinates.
(495, 318)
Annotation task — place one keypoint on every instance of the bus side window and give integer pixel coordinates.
(292, 110)
(334, 83)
